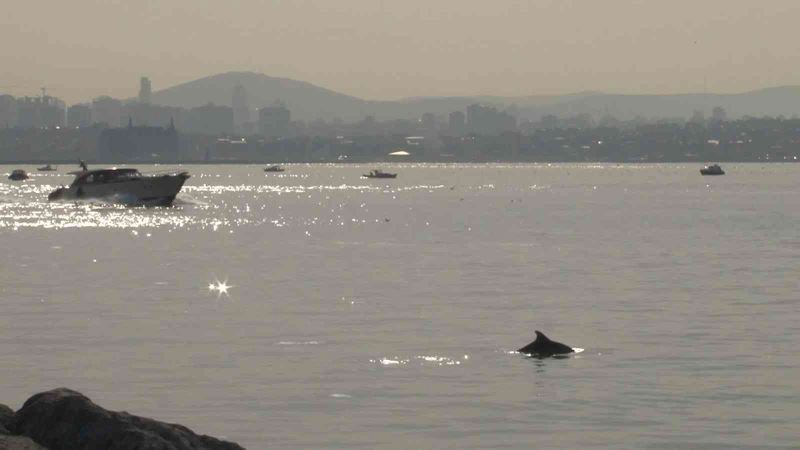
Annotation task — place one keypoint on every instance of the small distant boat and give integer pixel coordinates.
(18, 175)
(126, 186)
(273, 169)
(377, 173)
(713, 169)
(47, 168)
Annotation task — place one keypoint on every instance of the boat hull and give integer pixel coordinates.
(145, 191)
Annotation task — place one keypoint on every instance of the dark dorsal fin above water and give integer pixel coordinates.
(540, 337)
(544, 347)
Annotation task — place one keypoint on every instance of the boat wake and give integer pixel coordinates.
(187, 200)
(299, 343)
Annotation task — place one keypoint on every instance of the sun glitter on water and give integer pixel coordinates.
(220, 287)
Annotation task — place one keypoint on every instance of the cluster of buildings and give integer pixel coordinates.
(47, 112)
(112, 130)
(754, 139)
(31, 112)
(270, 121)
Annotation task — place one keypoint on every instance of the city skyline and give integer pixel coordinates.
(382, 50)
(235, 101)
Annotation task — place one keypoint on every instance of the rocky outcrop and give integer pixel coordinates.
(63, 419)
(6, 415)
(18, 443)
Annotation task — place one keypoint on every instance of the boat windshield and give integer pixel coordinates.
(109, 176)
(124, 175)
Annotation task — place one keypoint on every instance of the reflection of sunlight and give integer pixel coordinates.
(199, 207)
(221, 287)
(435, 360)
(20, 214)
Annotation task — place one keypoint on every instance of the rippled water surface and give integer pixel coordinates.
(384, 313)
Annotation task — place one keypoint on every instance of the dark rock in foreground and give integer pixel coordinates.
(63, 419)
(18, 443)
(6, 416)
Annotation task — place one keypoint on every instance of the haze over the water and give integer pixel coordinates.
(382, 49)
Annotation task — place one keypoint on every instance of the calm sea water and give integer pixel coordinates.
(384, 313)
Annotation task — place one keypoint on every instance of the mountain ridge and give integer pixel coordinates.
(308, 101)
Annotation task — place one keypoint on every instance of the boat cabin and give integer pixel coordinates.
(105, 176)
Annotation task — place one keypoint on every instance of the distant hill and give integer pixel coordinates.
(308, 102)
(305, 100)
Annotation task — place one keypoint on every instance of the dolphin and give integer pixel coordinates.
(543, 347)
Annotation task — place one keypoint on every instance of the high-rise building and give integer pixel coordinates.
(79, 115)
(107, 110)
(40, 112)
(457, 123)
(487, 120)
(241, 111)
(698, 117)
(8, 111)
(138, 143)
(428, 122)
(718, 115)
(209, 119)
(273, 121)
(144, 114)
(145, 90)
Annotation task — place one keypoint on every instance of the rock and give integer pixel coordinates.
(6, 416)
(63, 419)
(18, 443)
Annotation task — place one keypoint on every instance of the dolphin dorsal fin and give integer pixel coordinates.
(541, 337)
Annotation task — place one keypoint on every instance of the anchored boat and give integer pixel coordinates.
(18, 175)
(713, 169)
(377, 173)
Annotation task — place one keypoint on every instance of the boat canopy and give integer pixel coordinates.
(106, 176)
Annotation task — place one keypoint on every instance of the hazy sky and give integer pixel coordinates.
(382, 49)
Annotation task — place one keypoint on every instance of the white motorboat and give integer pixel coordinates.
(126, 186)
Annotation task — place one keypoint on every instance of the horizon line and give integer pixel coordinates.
(585, 93)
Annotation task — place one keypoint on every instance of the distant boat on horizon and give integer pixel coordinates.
(377, 173)
(47, 168)
(18, 175)
(274, 169)
(713, 169)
